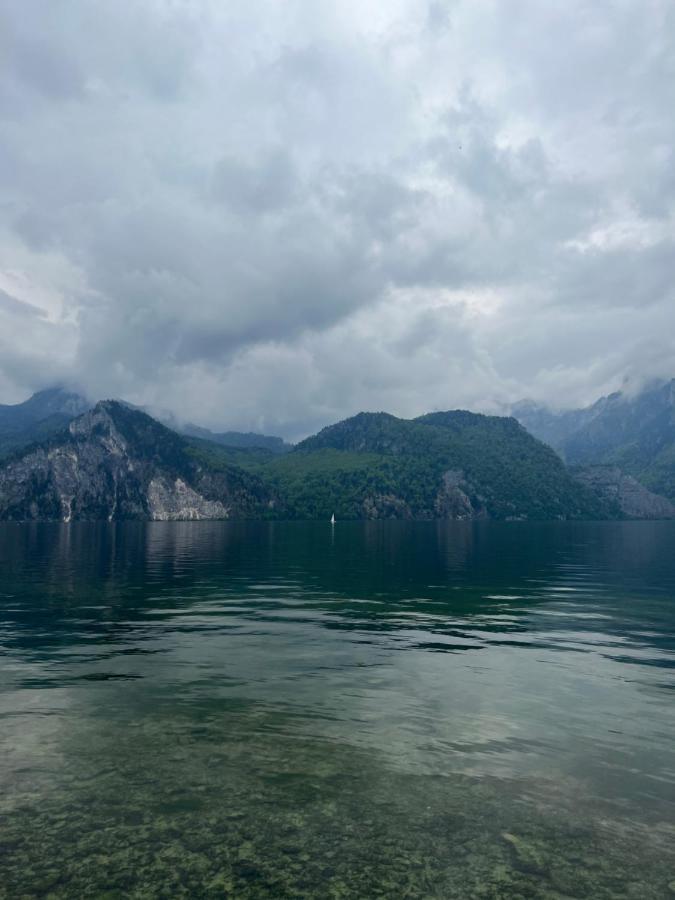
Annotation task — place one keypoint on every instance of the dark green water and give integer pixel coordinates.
(374, 710)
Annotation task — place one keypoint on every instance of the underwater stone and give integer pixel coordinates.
(528, 857)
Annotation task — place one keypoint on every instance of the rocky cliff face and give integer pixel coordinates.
(634, 500)
(453, 500)
(117, 463)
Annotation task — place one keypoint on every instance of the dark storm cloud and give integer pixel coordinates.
(272, 215)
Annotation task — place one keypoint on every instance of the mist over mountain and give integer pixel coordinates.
(241, 439)
(47, 412)
(42, 415)
(633, 433)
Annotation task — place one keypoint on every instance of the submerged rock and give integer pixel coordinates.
(529, 858)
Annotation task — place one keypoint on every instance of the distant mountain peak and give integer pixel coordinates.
(45, 413)
(44, 403)
(240, 439)
(634, 432)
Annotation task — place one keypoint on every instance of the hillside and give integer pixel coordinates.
(114, 462)
(634, 433)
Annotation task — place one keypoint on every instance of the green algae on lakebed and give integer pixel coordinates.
(238, 813)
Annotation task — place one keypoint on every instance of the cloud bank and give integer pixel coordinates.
(269, 216)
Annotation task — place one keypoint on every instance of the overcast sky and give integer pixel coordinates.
(271, 215)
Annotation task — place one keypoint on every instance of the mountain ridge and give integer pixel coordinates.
(635, 433)
(48, 411)
(240, 439)
(113, 462)
(42, 415)
(455, 464)
(116, 461)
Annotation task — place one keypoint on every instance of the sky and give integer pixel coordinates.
(271, 215)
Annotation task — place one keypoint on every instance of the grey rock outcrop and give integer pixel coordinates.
(632, 498)
(453, 500)
(117, 463)
(386, 506)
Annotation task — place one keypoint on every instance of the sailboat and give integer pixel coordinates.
(332, 519)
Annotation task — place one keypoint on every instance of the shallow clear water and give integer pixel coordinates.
(375, 710)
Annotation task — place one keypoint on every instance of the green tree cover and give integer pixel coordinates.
(375, 457)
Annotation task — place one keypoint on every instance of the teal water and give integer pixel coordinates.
(375, 710)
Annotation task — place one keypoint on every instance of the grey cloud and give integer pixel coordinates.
(17, 307)
(619, 277)
(438, 17)
(41, 67)
(277, 216)
(262, 186)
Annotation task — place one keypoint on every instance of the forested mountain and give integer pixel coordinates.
(635, 434)
(443, 465)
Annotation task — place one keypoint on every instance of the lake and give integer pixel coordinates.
(381, 709)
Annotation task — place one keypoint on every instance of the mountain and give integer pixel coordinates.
(37, 418)
(241, 439)
(114, 462)
(635, 434)
(47, 412)
(553, 426)
(449, 465)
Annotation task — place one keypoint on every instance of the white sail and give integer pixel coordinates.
(332, 519)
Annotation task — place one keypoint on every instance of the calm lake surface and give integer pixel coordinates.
(371, 710)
